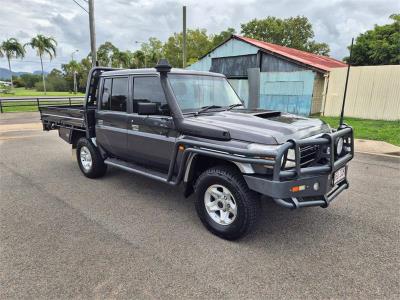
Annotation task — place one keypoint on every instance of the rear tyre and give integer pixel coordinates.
(89, 159)
(224, 203)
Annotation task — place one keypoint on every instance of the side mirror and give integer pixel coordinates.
(147, 108)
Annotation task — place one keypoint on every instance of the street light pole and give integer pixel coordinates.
(74, 72)
(75, 83)
(92, 33)
(72, 54)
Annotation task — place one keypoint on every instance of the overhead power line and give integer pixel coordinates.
(77, 3)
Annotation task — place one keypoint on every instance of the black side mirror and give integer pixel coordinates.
(147, 108)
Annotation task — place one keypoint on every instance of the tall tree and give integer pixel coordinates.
(139, 59)
(123, 59)
(43, 45)
(11, 48)
(107, 55)
(219, 38)
(378, 46)
(293, 32)
(153, 51)
(198, 43)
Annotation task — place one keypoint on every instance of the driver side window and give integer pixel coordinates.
(149, 90)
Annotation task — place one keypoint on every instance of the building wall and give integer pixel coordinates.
(241, 86)
(270, 63)
(284, 85)
(234, 66)
(287, 91)
(373, 92)
(232, 47)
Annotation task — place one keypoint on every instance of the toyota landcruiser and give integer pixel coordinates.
(188, 127)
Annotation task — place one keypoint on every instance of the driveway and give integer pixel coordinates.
(124, 236)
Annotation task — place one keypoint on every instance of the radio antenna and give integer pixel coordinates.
(345, 85)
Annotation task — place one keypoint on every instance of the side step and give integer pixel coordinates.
(137, 169)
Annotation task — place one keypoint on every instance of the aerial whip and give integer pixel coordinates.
(345, 85)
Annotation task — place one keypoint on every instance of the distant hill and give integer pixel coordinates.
(5, 73)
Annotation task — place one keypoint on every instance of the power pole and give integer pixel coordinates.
(184, 38)
(92, 33)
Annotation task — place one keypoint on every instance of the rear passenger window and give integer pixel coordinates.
(119, 94)
(106, 95)
(148, 89)
(115, 94)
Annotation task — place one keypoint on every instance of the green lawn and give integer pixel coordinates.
(387, 131)
(27, 106)
(31, 105)
(22, 92)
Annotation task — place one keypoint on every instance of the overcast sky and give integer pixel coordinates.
(122, 21)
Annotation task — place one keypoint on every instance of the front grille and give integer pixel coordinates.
(308, 155)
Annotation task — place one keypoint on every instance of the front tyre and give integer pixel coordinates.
(89, 159)
(225, 204)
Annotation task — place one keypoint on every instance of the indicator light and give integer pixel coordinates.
(298, 188)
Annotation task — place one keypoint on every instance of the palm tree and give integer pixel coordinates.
(11, 48)
(43, 45)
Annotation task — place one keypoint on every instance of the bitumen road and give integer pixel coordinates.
(64, 236)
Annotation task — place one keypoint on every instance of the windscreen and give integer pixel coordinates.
(194, 92)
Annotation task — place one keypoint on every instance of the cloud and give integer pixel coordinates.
(123, 22)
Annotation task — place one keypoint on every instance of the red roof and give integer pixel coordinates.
(317, 61)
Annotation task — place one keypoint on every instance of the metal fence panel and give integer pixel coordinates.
(12, 103)
(373, 92)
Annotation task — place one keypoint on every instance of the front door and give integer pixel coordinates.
(151, 138)
(111, 117)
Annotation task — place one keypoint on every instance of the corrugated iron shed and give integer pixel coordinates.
(320, 62)
(317, 61)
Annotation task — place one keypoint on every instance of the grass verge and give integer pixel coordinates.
(379, 130)
(22, 92)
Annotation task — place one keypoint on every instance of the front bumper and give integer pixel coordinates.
(318, 188)
(280, 191)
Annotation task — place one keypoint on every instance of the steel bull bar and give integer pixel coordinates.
(319, 189)
(278, 186)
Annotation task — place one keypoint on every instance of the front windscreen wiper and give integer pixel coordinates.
(233, 106)
(205, 108)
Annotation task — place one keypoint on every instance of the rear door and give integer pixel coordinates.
(151, 138)
(111, 116)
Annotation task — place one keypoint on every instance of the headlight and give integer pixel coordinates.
(291, 154)
(290, 159)
(261, 147)
(339, 146)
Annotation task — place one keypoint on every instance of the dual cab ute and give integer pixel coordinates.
(191, 128)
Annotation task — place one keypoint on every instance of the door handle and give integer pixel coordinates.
(163, 123)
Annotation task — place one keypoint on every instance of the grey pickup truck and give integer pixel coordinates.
(186, 127)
